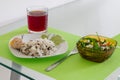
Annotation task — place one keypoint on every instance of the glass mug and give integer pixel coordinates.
(37, 17)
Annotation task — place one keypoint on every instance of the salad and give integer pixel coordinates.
(96, 48)
(95, 45)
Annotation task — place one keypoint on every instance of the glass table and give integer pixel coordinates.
(9, 70)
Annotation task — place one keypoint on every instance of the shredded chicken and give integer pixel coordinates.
(37, 47)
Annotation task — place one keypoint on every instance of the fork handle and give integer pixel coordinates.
(54, 65)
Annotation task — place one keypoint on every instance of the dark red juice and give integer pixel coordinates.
(37, 21)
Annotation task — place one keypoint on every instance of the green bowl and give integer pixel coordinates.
(96, 48)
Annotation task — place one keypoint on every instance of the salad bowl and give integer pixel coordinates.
(96, 48)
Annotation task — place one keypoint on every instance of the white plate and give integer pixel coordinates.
(61, 48)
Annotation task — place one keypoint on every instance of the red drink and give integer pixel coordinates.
(37, 21)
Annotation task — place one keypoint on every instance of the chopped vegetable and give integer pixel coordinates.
(57, 39)
(94, 44)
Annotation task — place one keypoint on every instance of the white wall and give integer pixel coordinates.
(88, 17)
(83, 17)
(14, 9)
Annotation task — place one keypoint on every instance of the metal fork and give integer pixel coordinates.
(54, 65)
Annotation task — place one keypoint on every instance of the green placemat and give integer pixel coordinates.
(74, 68)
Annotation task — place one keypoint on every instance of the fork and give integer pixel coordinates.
(54, 65)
